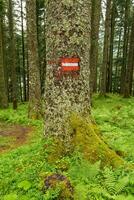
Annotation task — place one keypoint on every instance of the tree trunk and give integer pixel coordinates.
(95, 21)
(130, 64)
(116, 75)
(33, 60)
(3, 93)
(67, 36)
(12, 55)
(110, 66)
(125, 46)
(106, 50)
(23, 54)
(67, 97)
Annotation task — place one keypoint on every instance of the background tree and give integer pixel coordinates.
(130, 63)
(125, 45)
(23, 54)
(95, 21)
(106, 48)
(33, 61)
(3, 89)
(12, 51)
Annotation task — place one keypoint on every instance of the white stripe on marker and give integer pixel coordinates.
(70, 64)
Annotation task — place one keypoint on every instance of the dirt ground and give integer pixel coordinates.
(13, 136)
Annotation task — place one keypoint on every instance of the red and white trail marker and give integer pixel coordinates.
(70, 64)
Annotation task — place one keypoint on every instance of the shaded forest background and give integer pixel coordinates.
(22, 50)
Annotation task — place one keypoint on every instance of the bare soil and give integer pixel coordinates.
(13, 136)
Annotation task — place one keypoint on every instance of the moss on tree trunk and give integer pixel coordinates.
(68, 36)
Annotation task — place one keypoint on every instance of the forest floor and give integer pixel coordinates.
(24, 152)
(13, 136)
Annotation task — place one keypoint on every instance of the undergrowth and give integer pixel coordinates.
(22, 170)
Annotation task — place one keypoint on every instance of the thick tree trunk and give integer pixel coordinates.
(67, 36)
(33, 60)
(95, 21)
(12, 55)
(106, 50)
(3, 93)
(67, 98)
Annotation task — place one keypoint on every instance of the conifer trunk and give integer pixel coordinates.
(67, 36)
(125, 45)
(106, 50)
(130, 64)
(12, 55)
(33, 62)
(95, 21)
(3, 94)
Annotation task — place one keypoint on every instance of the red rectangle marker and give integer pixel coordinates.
(70, 64)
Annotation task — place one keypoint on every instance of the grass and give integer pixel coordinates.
(22, 170)
(115, 117)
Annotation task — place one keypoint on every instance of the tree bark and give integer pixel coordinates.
(110, 65)
(12, 55)
(95, 21)
(23, 54)
(67, 95)
(67, 36)
(125, 46)
(106, 50)
(3, 93)
(130, 64)
(33, 61)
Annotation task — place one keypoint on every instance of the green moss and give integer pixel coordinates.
(85, 138)
(87, 141)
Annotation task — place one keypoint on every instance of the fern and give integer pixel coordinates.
(99, 193)
(122, 197)
(131, 180)
(83, 171)
(121, 185)
(109, 180)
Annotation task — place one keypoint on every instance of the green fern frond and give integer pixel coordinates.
(109, 180)
(123, 197)
(131, 180)
(121, 185)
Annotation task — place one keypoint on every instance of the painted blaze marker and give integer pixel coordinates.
(70, 64)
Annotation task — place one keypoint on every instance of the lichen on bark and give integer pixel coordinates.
(67, 35)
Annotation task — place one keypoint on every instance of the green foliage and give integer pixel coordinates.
(93, 183)
(82, 171)
(12, 196)
(23, 169)
(115, 117)
(25, 185)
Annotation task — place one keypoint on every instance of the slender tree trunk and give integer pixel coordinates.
(20, 91)
(33, 60)
(125, 47)
(105, 64)
(27, 82)
(116, 81)
(23, 53)
(95, 21)
(130, 64)
(110, 66)
(5, 54)
(67, 36)
(3, 93)
(12, 55)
